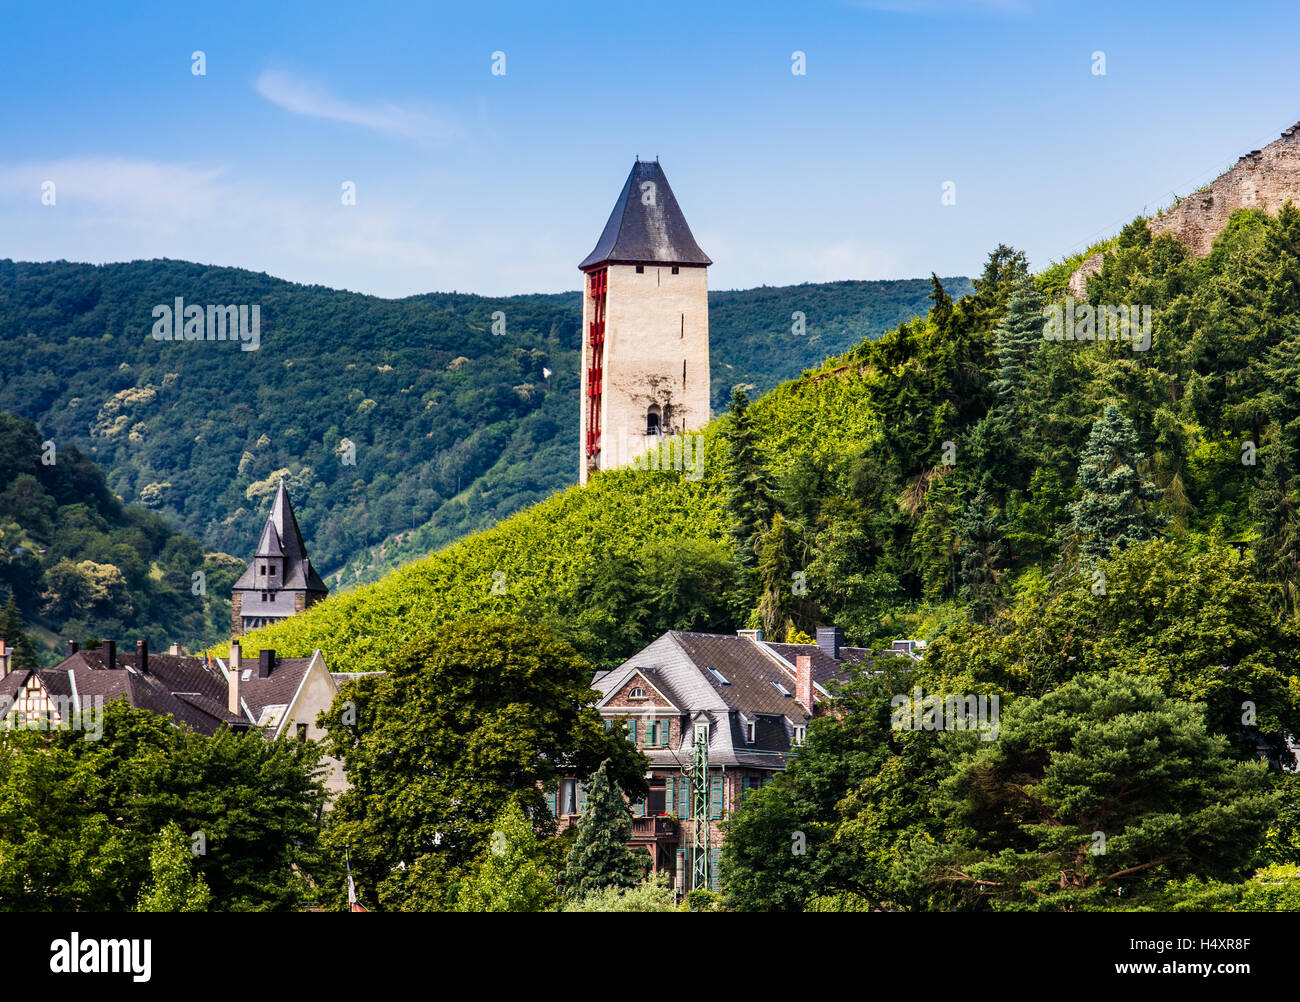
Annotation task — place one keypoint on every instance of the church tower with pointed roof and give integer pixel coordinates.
(280, 581)
(645, 324)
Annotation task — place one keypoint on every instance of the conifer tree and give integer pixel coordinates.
(1113, 511)
(599, 857)
(751, 494)
(15, 637)
(1015, 340)
(982, 555)
(1274, 505)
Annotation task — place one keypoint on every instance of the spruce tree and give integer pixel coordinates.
(1274, 505)
(982, 555)
(751, 493)
(15, 637)
(599, 857)
(1113, 511)
(1016, 338)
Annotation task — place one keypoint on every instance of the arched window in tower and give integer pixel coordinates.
(652, 420)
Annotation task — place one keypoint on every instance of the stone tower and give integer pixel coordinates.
(645, 323)
(280, 581)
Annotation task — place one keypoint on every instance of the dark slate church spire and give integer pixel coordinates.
(280, 582)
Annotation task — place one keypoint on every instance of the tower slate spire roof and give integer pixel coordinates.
(280, 580)
(647, 225)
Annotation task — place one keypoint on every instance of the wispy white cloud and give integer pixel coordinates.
(304, 97)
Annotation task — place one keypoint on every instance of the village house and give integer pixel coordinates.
(747, 700)
(275, 696)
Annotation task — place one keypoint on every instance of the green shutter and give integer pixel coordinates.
(683, 797)
(670, 804)
(631, 730)
(715, 861)
(715, 797)
(582, 797)
(550, 803)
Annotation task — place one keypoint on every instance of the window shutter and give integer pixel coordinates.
(582, 797)
(631, 730)
(683, 797)
(715, 861)
(550, 803)
(715, 797)
(670, 804)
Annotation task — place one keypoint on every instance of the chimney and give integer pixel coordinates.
(265, 662)
(110, 654)
(803, 681)
(232, 688)
(830, 639)
(754, 636)
(174, 650)
(142, 656)
(73, 647)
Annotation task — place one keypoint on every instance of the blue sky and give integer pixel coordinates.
(501, 184)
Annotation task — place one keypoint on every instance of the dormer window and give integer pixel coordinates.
(799, 734)
(751, 729)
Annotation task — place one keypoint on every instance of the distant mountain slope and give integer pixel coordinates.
(453, 426)
(82, 566)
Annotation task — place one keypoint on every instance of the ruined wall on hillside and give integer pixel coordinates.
(1262, 179)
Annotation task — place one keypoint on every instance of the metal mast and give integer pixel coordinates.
(699, 774)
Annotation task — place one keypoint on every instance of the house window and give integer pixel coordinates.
(568, 796)
(302, 732)
(750, 729)
(656, 802)
(636, 693)
(264, 570)
(799, 734)
(674, 269)
(640, 269)
(652, 421)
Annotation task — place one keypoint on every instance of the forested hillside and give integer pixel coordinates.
(80, 565)
(453, 426)
(1100, 533)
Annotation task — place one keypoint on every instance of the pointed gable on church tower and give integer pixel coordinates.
(280, 581)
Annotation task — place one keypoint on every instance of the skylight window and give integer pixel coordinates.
(781, 689)
(718, 675)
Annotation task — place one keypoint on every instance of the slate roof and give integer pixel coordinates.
(183, 688)
(641, 233)
(678, 665)
(281, 537)
(190, 690)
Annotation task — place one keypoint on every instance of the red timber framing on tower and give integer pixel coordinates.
(597, 288)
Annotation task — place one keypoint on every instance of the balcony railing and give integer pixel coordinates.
(659, 826)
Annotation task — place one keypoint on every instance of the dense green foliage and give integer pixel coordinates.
(454, 426)
(599, 858)
(512, 875)
(80, 819)
(173, 885)
(80, 565)
(480, 714)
